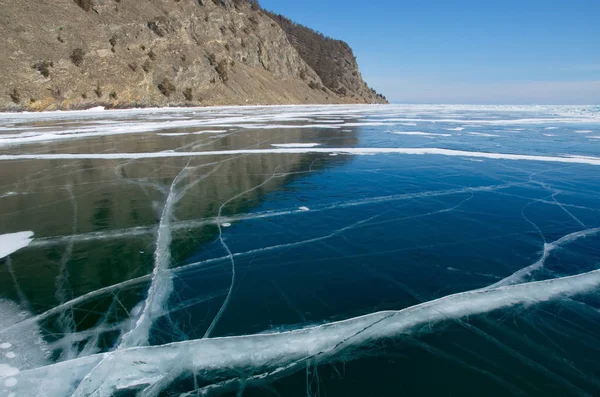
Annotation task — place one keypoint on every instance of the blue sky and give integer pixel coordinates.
(466, 51)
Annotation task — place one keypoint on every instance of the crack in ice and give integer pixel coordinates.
(131, 368)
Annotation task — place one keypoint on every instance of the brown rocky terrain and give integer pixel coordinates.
(333, 60)
(73, 54)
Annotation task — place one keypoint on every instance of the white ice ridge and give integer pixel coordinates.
(237, 357)
(297, 145)
(570, 159)
(520, 275)
(12, 242)
(162, 284)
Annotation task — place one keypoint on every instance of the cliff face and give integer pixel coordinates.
(70, 54)
(333, 60)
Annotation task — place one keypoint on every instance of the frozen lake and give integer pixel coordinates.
(301, 251)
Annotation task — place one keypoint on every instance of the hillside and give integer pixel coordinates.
(73, 54)
(333, 60)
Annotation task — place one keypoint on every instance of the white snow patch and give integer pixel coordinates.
(295, 144)
(5, 345)
(11, 382)
(226, 224)
(474, 160)
(173, 134)
(482, 134)
(303, 208)
(369, 124)
(6, 371)
(209, 132)
(418, 133)
(13, 242)
(10, 355)
(290, 126)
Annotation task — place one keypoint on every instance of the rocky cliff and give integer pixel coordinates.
(333, 60)
(72, 54)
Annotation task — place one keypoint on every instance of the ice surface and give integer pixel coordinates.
(419, 133)
(354, 243)
(12, 242)
(262, 118)
(131, 368)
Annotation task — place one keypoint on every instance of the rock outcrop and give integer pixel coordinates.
(333, 60)
(73, 54)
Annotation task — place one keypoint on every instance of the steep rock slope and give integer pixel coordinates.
(333, 60)
(70, 54)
